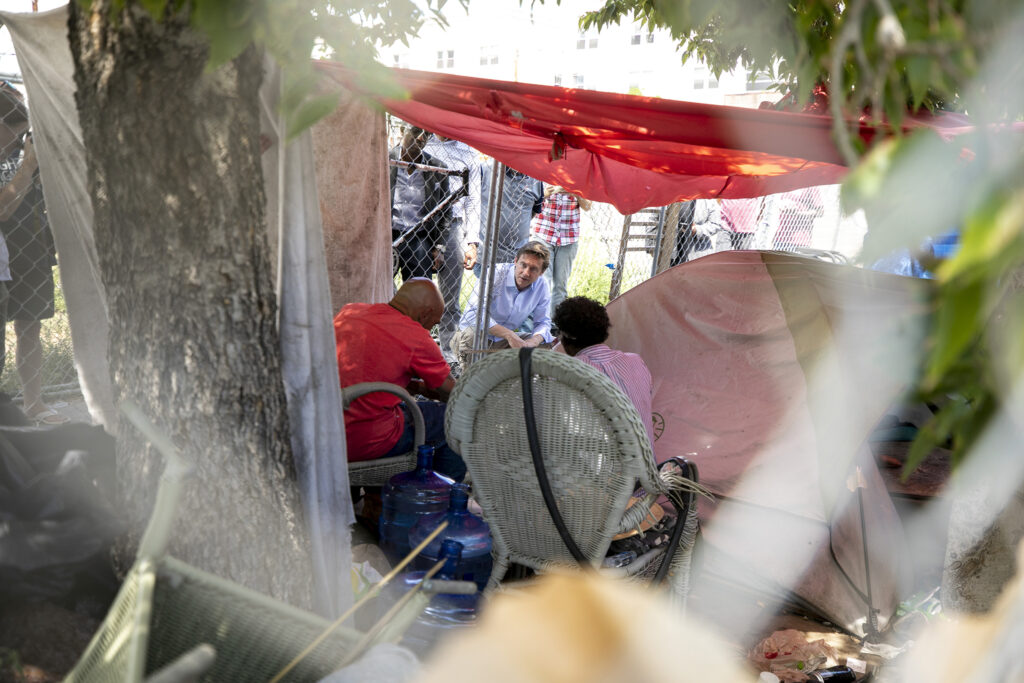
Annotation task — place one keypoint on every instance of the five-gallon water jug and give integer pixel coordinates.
(406, 498)
(444, 613)
(463, 526)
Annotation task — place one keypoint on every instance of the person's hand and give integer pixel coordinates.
(29, 162)
(534, 341)
(469, 260)
(515, 341)
(438, 258)
(552, 189)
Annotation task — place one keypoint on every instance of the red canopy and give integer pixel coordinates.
(626, 150)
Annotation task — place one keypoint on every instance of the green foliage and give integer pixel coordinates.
(590, 275)
(292, 31)
(880, 58)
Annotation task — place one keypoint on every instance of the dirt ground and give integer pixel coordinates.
(40, 643)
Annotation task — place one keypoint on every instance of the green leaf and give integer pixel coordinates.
(227, 26)
(989, 231)
(934, 433)
(957, 323)
(919, 72)
(309, 112)
(154, 7)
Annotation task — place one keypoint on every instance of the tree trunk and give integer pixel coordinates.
(986, 523)
(981, 548)
(177, 191)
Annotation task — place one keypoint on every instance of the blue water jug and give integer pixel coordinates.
(444, 613)
(463, 526)
(406, 498)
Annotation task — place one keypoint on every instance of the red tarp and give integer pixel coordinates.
(630, 151)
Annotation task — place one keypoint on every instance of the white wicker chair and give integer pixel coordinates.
(377, 472)
(594, 448)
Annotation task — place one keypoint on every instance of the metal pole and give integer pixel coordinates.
(484, 287)
(657, 241)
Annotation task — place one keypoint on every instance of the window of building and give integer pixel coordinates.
(581, 42)
(586, 39)
(489, 54)
(760, 82)
(635, 40)
(712, 82)
(698, 84)
(451, 58)
(578, 79)
(593, 42)
(558, 79)
(650, 37)
(440, 59)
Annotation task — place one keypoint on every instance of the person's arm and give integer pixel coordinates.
(541, 317)
(14, 192)
(513, 339)
(470, 235)
(446, 388)
(584, 203)
(441, 393)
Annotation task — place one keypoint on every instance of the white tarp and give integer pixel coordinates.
(293, 215)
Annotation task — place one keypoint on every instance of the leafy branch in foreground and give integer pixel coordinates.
(292, 31)
(880, 59)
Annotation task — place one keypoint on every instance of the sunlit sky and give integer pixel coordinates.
(8, 63)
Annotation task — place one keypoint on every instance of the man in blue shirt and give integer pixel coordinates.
(520, 299)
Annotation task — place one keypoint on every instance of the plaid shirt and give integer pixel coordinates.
(558, 222)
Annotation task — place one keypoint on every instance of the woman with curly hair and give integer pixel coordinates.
(583, 326)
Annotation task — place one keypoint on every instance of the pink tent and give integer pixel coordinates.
(770, 370)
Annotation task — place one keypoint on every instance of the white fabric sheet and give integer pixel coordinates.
(307, 339)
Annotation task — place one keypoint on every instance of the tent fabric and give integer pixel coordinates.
(630, 151)
(351, 152)
(770, 371)
(41, 44)
(309, 362)
(40, 41)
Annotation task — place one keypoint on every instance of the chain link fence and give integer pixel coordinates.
(37, 352)
(615, 252)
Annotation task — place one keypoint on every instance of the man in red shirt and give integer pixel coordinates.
(391, 343)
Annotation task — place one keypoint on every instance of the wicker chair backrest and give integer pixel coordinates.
(592, 441)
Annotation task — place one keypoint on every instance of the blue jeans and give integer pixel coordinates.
(559, 271)
(446, 461)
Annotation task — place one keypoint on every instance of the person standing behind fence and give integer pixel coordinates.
(32, 253)
(462, 245)
(415, 192)
(520, 200)
(558, 225)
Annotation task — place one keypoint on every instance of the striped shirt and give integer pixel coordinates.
(558, 222)
(630, 373)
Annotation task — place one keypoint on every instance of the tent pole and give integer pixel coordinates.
(657, 241)
(484, 287)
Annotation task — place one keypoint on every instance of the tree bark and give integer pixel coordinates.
(177, 191)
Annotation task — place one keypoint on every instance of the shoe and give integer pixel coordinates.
(48, 417)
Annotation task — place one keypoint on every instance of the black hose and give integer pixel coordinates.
(690, 472)
(525, 365)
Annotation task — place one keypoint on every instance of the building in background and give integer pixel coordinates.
(504, 40)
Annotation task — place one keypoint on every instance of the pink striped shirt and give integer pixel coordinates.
(627, 370)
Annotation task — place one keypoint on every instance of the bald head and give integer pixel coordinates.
(420, 299)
